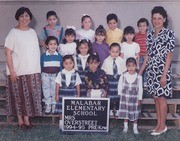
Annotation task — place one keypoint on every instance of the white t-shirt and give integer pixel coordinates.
(108, 65)
(130, 79)
(130, 50)
(25, 51)
(68, 77)
(67, 49)
(85, 34)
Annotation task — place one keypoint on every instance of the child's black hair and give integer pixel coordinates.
(50, 38)
(68, 57)
(51, 13)
(114, 45)
(112, 16)
(161, 11)
(131, 60)
(69, 31)
(21, 11)
(100, 30)
(84, 41)
(93, 58)
(129, 30)
(143, 20)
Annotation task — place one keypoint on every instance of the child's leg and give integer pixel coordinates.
(46, 92)
(135, 129)
(125, 130)
(53, 87)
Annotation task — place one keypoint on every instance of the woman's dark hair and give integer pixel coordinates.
(50, 38)
(131, 60)
(84, 41)
(115, 45)
(51, 13)
(111, 16)
(21, 11)
(67, 57)
(100, 31)
(93, 58)
(161, 11)
(143, 20)
(69, 31)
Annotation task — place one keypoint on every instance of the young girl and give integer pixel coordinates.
(129, 47)
(130, 91)
(100, 46)
(86, 32)
(69, 46)
(81, 66)
(113, 68)
(95, 79)
(67, 84)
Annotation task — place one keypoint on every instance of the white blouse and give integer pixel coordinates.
(67, 49)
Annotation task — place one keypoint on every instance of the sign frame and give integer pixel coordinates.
(106, 130)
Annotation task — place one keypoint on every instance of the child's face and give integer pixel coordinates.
(69, 38)
(100, 38)
(112, 24)
(52, 20)
(83, 49)
(68, 64)
(142, 27)
(52, 46)
(93, 65)
(129, 37)
(131, 67)
(86, 24)
(114, 52)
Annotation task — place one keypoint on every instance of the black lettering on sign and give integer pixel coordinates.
(85, 114)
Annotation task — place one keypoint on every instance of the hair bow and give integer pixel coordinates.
(69, 26)
(85, 15)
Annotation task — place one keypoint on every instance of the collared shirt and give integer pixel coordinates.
(114, 36)
(68, 77)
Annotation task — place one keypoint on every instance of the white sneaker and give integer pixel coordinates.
(48, 109)
(125, 130)
(136, 131)
(53, 106)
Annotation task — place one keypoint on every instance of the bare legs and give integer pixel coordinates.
(22, 120)
(161, 111)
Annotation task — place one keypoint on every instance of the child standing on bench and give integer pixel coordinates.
(130, 91)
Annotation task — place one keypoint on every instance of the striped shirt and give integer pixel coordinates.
(141, 40)
(51, 63)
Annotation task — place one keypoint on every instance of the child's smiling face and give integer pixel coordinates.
(52, 46)
(86, 23)
(112, 24)
(52, 20)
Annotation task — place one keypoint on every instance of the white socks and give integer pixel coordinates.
(60, 124)
(135, 129)
(125, 130)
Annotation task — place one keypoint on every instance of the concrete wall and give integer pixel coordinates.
(70, 12)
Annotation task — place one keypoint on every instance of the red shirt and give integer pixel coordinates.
(141, 40)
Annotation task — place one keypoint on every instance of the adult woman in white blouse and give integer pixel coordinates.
(23, 70)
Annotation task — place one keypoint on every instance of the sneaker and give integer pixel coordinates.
(48, 109)
(136, 131)
(125, 130)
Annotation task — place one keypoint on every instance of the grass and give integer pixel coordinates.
(51, 133)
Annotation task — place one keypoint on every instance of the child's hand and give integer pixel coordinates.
(57, 98)
(139, 102)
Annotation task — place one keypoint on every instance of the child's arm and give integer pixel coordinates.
(137, 59)
(57, 92)
(140, 93)
(78, 90)
(120, 85)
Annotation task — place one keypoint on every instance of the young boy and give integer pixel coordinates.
(51, 29)
(113, 34)
(113, 67)
(51, 64)
(140, 38)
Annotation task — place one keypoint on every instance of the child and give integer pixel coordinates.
(113, 68)
(81, 66)
(86, 32)
(51, 29)
(69, 46)
(140, 38)
(95, 78)
(67, 84)
(130, 91)
(51, 64)
(129, 47)
(100, 46)
(114, 34)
